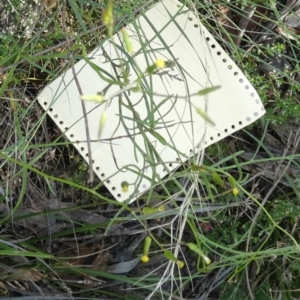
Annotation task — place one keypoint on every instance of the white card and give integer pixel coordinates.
(147, 135)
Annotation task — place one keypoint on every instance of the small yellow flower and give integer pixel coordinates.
(235, 191)
(145, 258)
(160, 63)
(180, 264)
(161, 208)
(207, 260)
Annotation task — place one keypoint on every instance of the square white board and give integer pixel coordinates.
(149, 133)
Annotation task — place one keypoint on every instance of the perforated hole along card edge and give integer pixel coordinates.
(115, 160)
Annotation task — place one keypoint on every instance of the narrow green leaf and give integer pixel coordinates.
(127, 42)
(24, 253)
(208, 90)
(205, 116)
(159, 137)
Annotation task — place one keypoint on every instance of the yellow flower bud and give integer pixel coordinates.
(145, 258)
(207, 260)
(160, 63)
(180, 264)
(161, 208)
(235, 191)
